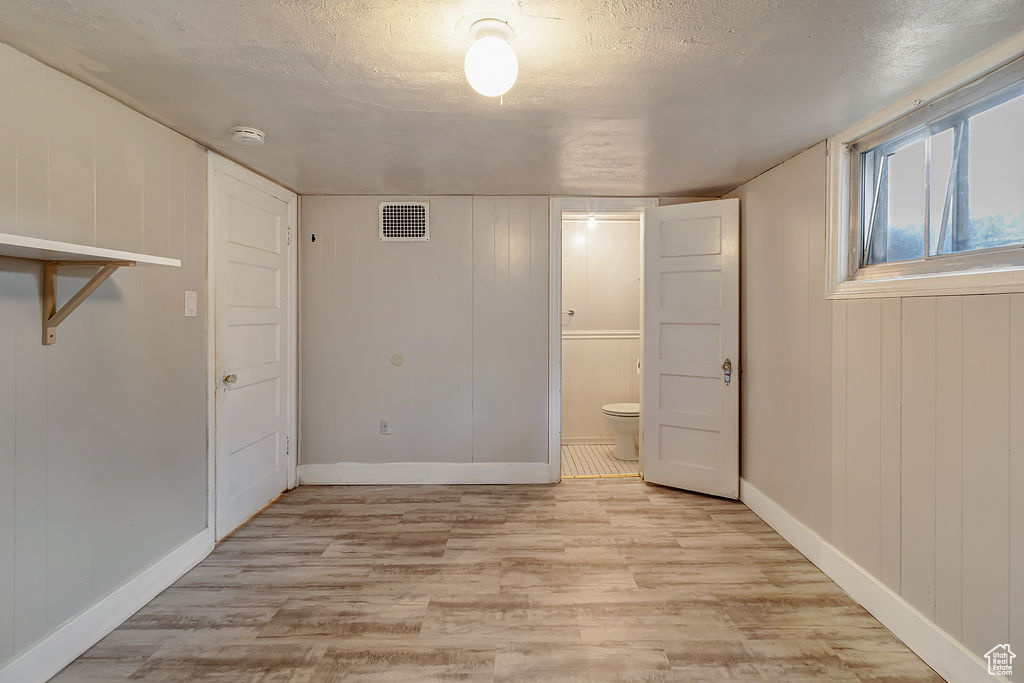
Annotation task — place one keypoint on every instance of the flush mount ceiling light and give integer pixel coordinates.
(247, 135)
(491, 64)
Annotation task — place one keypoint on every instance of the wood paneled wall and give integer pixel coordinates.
(467, 311)
(931, 467)
(102, 435)
(926, 445)
(596, 371)
(510, 329)
(785, 330)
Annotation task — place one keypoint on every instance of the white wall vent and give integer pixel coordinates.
(404, 221)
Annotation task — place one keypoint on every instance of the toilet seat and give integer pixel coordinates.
(622, 409)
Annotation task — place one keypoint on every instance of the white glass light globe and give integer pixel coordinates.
(491, 66)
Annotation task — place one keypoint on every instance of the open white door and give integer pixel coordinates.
(251, 221)
(690, 401)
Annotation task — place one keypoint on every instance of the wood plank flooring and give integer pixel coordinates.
(595, 460)
(589, 580)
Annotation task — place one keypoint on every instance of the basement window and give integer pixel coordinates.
(940, 191)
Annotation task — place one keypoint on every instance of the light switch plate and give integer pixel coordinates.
(191, 304)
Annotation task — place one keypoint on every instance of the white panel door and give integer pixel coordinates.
(252, 221)
(690, 403)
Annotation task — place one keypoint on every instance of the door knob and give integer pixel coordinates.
(727, 371)
(230, 379)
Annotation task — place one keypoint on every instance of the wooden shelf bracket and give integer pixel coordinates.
(55, 255)
(51, 316)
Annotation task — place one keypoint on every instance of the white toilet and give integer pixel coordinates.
(624, 419)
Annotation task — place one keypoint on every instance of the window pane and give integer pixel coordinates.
(996, 177)
(898, 230)
(942, 166)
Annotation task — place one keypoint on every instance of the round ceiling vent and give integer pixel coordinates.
(247, 135)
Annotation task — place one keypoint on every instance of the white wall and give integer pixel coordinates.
(601, 275)
(892, 427)
(466, 310)
(601, 342)
(596, 370)
(102, 435)
(785, 405)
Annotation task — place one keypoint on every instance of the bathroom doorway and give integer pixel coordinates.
(600, 271)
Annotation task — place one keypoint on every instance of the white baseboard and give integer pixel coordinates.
(51, 654)
(940, 650)
(426, 473)
(588, 439)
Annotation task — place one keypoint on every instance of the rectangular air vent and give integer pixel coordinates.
(404, 221)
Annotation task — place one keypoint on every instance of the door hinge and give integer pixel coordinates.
(287, 445)
(289, 234)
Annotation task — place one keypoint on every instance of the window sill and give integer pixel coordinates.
(952, 283)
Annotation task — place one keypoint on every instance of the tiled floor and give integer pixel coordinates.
(595, 460)
(588, 580)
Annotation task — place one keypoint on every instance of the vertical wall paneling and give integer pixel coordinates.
(986, 492)
(925, 423)
(316, 265)
(70, 469)
(485, 300)
(8, 366)
(70, 167)
(33, 200)
(839, 423)
(817, 462)
(539, 297)
(786, 348)
(510, 290)
(596, 371)
(119, 178)
(1016, 479)
(8, 484)
(365, 303)
(863, 433)
(890, 453)
(30, 512)
(917, 472)
(949, 464)
(7, 490)
(466, 311)
(9, 123)
(102, 435)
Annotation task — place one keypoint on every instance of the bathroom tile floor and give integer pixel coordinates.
(588, 580)
(595, 460)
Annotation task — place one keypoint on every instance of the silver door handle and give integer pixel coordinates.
(569, 313)
(230, 379)
(727, 371)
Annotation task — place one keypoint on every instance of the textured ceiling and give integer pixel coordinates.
(615, 97)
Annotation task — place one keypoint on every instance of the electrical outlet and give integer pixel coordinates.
(385, 427)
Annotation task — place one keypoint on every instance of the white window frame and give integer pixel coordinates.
(985, 271)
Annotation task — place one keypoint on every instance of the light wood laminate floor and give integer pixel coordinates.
(595, 460)
(589, 580)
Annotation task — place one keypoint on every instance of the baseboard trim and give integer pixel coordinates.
(937, 648)
(426, 473)
(46, 658)
(602, 440)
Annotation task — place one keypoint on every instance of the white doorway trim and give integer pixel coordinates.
(558, 206)
(214, 163)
